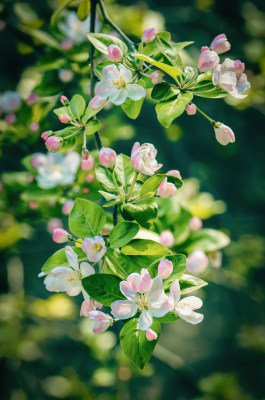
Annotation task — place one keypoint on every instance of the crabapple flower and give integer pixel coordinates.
(94, 248)
(58, 169)
(101, 321)
(107, 157)
(38, 159)
(67, 207)
(208, 60)
(157, 77)
(89, 305)
(150, 335)
(166, 189)
(197, 262)
(60, 235)
(117, 85)
(220, 44)
(114, 53)
(229, 75)
(224, 134)
(184, 308)
(68, 279)
(73, 28)
(191, 109)
(195, 224)
(174, 172)
(165, 269)
(143, 158)
(87, 162)
(97, 102)
(143, 294)
(149, 35)
(167, 239)
(10, 101)
(54, 144)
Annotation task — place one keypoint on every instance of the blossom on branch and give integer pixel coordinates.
(143, 158)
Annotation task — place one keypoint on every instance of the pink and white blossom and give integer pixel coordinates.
(195, 224)
(117, 85)
(174, 172)
(68, 279)
(197, 262)
(10, 101)
(37, 160)
(149, 35)
(54, 223)
(94, 248)
(97, 102)
(107, 157)
(101, 321)
(208, 60)
(34, 126)
(67, 207)
(54, 144)
(60, 235)
(45, 135)
(184, 308)
(166, 189)
(143, 158)
(10, 118)
(157, 77)
(150, 335)
(191, 109)
(89, 305)
(143, 294)
(220, 44)
(64, 100)
(224, 135)
(115, 53)
(167, 239)
(165, 269)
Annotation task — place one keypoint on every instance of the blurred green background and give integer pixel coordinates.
(46, 350)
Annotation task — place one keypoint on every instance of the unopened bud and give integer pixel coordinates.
(64, 118)
(191, 109)
(60, 235)
(149, 35)
(114, 53)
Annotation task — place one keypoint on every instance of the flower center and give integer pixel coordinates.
(74, 276)
(97, 247)
(143, 302)
(118, 82)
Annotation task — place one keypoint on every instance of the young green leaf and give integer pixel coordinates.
(144, 213)
(207, 240)
(134, 343)
(92, 126)
(105, 179)
(77, 106)
(59, 259)
(168, 318)
(146, 247)
(190, 283)
(164, 91)
(168, 69)
(122, 233)
(83, 10)
(168, 110)
(179, 267)
(114, 264)
(86, 219)
(151, 185)
(104, 288)
(131, 107)
(101, 42)
(123, 171)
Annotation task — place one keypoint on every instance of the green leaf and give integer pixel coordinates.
(123, 171)
(134, 343)
(114, 264)
(92, 126)
(164, 91)
(41, 37)
(86, 219)
(190, 283)
(108, 196)
(59, 259)
(61, 111)
(101, 42)
(77, 106)
(135, 263)
(122, 233)
(207, 240)
(132, 108)
(105, 179)
(144, 213)
(59, 9)
(179, 267)
(104, 288)
(168, 318)
(151, 185)
(89, 113)
(172, 71)
(145, 247)
(83, 10)
(168, 110)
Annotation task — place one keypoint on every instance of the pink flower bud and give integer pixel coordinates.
(86, 307)
(60, 235)
(167, 239)
(10, 118)
(220, 44)
(54, 144)
(166, 189)
(149, 35)
(238, 67)
(32, 99)
(45, 135)
(157, 77)
(64, 100)
(33, 205)
(86, 190)
(87, 164)
(34, 127)
(67, 207)
(191, 109)
(107, 157)
(224, 134)
(90, 178)
(174, 172)
(208, 60)
(197, 262)
(64, 118)
(67, 44)
(204, 48)
(165, 268)
(195, 224)
(54, 223)
(114, 53)
(150, 334)
(97, 102)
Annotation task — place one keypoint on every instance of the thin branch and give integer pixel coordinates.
(115, 214)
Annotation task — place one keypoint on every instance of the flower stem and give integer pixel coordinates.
(115, 214)
(132, 186)
(72, 134)
(213, 122)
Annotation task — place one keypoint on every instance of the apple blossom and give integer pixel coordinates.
(86, 307)
(184, 308)
(54, 143)
(229, 75)
(114, 53)
(208, 60)
(67, 207)
(195, 224)
(101, 321)
(166, 189)
(68, 279)
(117, 85)
(73, 28)
(165, 269)
(191, 109)
(143, 294)
(45, 135)
(60, 235)
(107, 157)
(197, 262)
(220, 44)
(94, 248)
(224, 134)
(150, 335)
(38, 159)
(174, 172)
(97, 102)
(149, 35)
(87, 162)
(167, 239)
(157, 77)
(143, 158)
(10, 101)
(67, 44)
(204, 48)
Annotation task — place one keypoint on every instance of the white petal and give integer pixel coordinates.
(104, 88)
(192, 301)
(61, 270)
(156, 291)
(161, 310)
(74, 290)
(118, 96)
(194, 318)
(110, 71)
(41, 274)
(125, 74)
(123, 309)
(183, 310)
(126, 289)
(145, 320)
(135, 92)
(62, 283)
(71, 257)
(174, 294)
(86, 269)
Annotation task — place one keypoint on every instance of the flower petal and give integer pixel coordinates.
(104, 88)
(123, 309)
(110, 71)
(125, 74)
(193, 318)
(74, 290)
(86, 269)
(145, 320)
(118, 96)
(135, 92)
(126, 289)
(72, 257)
(191, 301)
